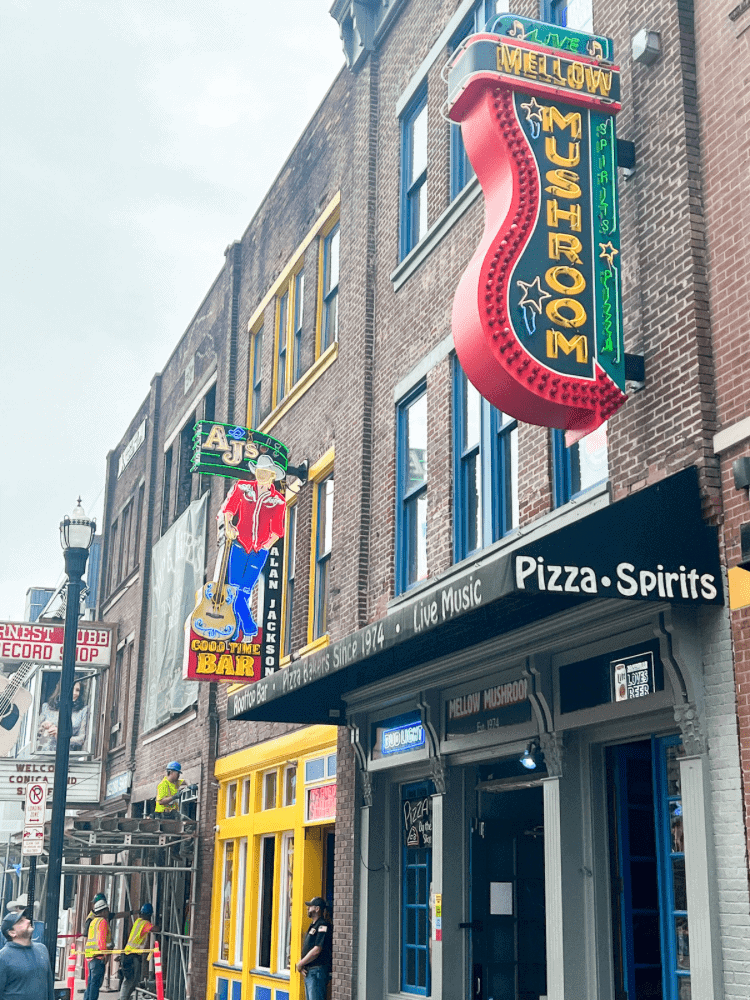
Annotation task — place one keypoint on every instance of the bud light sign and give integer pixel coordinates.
(401, 734)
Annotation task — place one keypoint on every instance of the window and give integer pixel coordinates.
(231, 808)
(461, 168)
(282, 312)
(138, 520)
(226, 901)
(184, 474)
(256, 389)
(323, 499)
(265, 900)
(416, 875)
(576, 14)
(166, 490)
(245, 796)
(290, 559)
(238, 928)
(120, 685)
(329, 332)
(411, 512)
(414, 174)
(285, 903)
(578, 468)
(123, 563)
(298, 328)
(112, 557)
(269, 790)
(486, 469)
(290, 785)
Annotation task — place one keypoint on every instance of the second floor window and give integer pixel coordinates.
(282, 313)
(414, 174)
(486, 469)
(578, 468)
(411, 513)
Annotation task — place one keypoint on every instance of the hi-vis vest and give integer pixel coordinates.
(98, 938)
(164, 789)
(139, 934)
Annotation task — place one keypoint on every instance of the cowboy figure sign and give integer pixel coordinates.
(222, 637)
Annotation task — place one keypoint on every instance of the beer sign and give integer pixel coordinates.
(537, 316)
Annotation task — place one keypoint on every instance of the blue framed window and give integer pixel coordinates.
(652, 933)
(299, 314)
(411, 502)
(575, 14)
(323, 545)
(461, 168)
(578, 468)
(414, 174)
(485, 469)
(330, 318)
(416, 876)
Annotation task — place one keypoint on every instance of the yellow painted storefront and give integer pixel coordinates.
(274, 850)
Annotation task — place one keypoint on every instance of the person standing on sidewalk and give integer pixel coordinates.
(317, 950)
(25, 972)
(131, 961)
(98, 942)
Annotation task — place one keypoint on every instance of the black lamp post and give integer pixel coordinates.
(76, 535)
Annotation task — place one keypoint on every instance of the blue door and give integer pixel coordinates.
(652, 944)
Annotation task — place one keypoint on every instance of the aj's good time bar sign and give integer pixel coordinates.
(537, 315)
(223, 641)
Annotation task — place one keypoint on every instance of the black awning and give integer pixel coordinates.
(651, 546)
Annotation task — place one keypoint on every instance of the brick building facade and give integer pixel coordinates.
(330, 328)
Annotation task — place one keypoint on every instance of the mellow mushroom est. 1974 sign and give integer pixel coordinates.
(537, 314)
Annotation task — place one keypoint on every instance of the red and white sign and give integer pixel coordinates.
(321, 802)
(33, 840)
(44, 644)
(36, 804)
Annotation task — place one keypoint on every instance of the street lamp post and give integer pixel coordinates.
(76, 535)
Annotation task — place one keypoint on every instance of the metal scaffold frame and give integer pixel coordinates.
(163, 854)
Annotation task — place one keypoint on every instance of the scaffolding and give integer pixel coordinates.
(149, 860)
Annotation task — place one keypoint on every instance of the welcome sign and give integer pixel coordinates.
(537, 316)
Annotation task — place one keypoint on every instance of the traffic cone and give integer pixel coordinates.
(158, 973)
(72, 971)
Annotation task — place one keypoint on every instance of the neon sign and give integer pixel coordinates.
(537, 316)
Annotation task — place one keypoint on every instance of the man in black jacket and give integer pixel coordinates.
(25, 972)
(315, 964)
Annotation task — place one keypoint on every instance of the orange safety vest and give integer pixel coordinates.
(98, 938)
(139, 934)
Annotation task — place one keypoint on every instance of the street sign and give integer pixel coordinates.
(33, 840)
(36, 804)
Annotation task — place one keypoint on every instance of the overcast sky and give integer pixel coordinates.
(137, 139)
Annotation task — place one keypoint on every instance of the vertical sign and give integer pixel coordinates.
(34, 814)
(537, 315)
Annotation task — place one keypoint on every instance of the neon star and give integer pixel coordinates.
(608, 253)
(533, 116)
(533, 301)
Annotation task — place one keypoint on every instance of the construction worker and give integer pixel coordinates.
(169, 791)
(131, 961)
(98, 943)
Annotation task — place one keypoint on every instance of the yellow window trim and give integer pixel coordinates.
(290, 290)
(318, 472)
(311, 376)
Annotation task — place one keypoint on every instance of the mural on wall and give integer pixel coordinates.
(223, 640)
(537, 316)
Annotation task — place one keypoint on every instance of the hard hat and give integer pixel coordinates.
(100, 905)
(147, 910)
(174, 766)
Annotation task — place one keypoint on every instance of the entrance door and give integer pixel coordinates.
(649, 899)
(507, 898)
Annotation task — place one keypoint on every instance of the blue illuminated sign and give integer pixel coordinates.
(410, 736)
